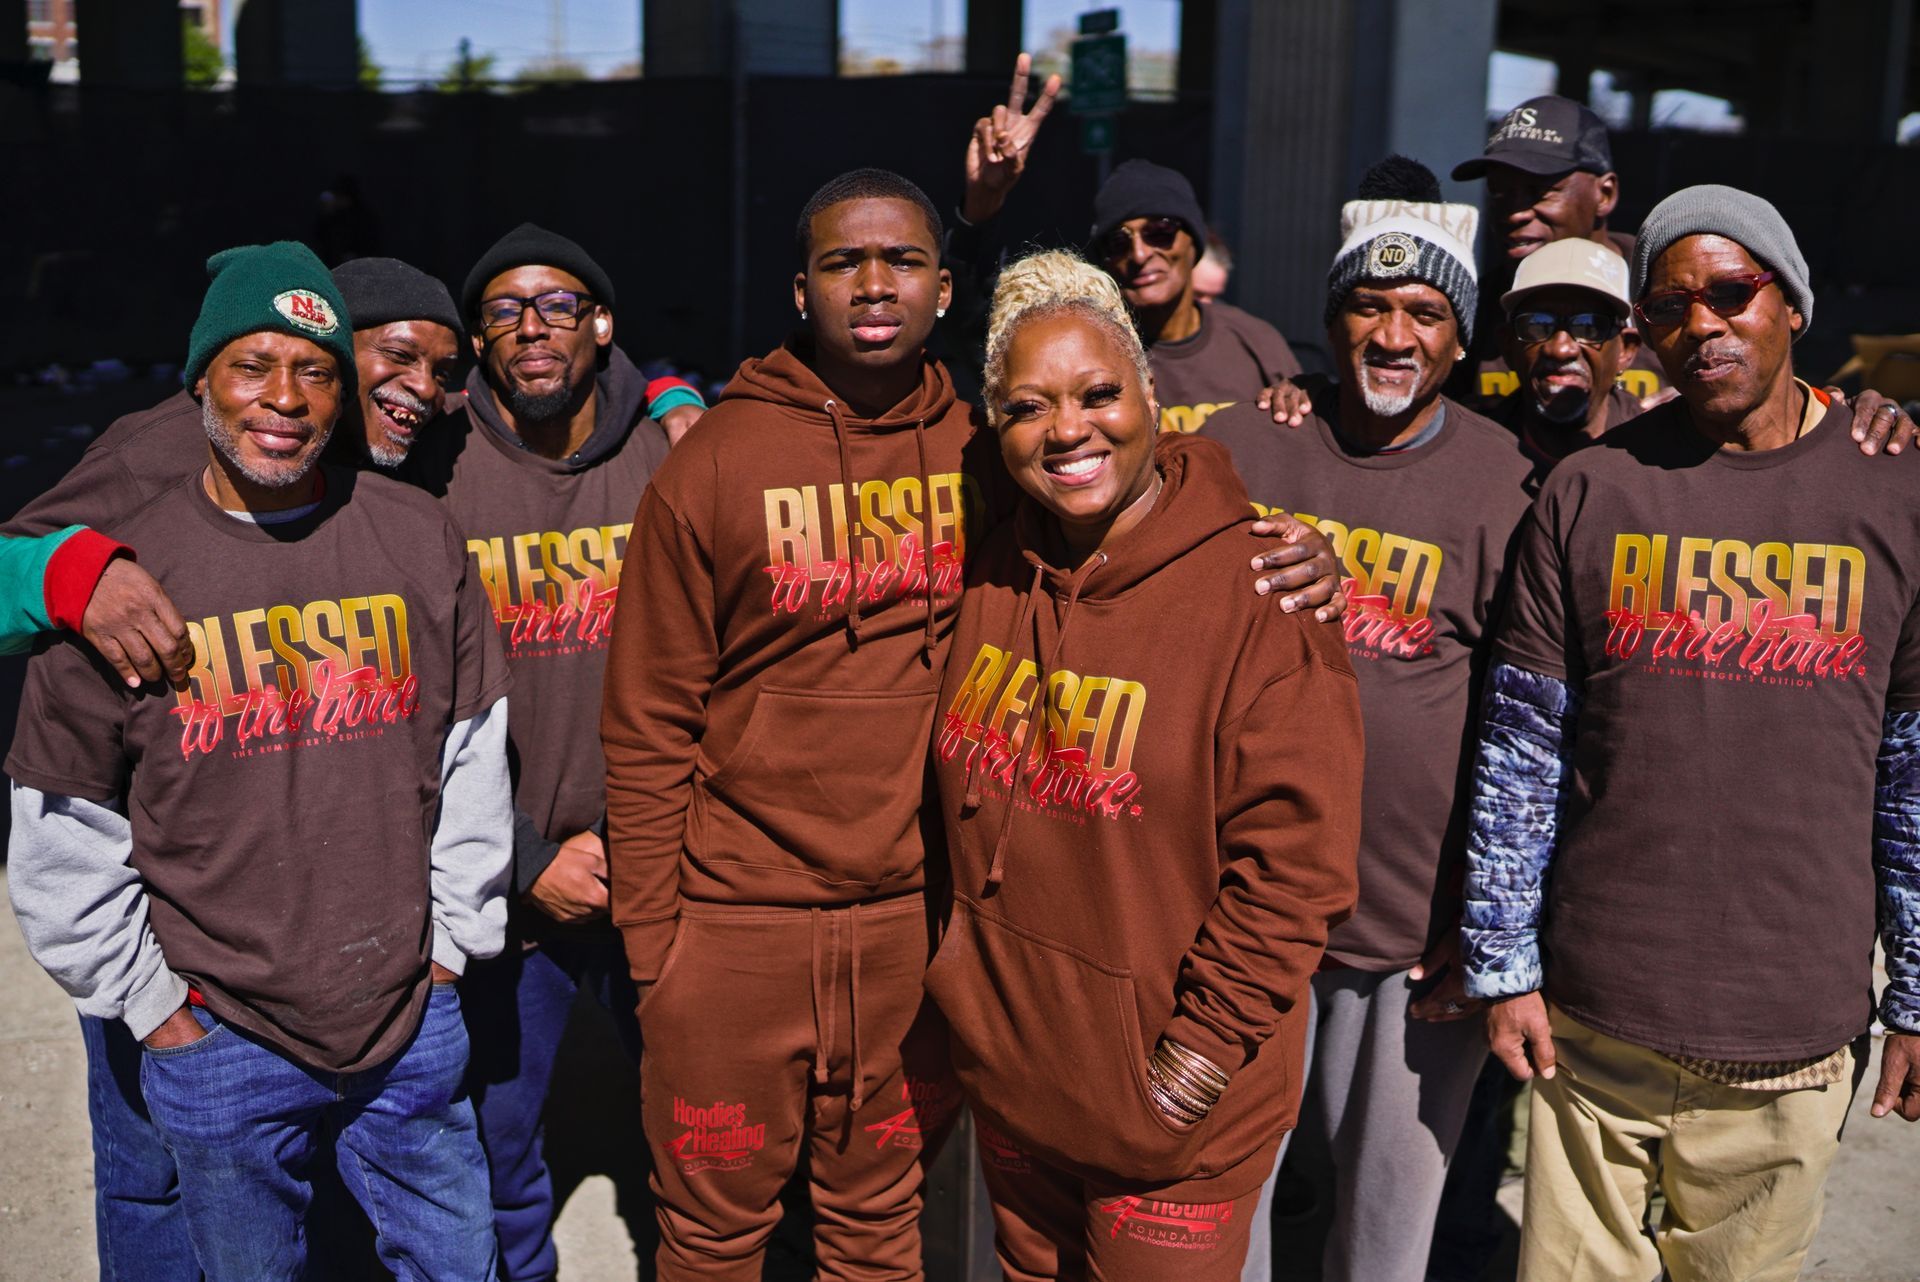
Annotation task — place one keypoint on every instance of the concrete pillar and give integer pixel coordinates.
(13, 31)
(1306, 96)
(130, 44)
(297, 42)
(773, 37)
(1856, 69)
(993, 36)
(1199, 45)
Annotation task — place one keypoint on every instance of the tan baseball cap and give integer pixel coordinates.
(1581, 264)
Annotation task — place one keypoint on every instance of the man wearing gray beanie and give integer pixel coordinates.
(1696, 787)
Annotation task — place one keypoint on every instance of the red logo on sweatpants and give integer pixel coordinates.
(1182, 1226)
(999, 1151)
(928, 1106)
(718, 1137)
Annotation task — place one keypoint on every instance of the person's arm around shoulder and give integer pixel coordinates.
(79, 580)
(676, 405)
(1287, 765)
(661, 665)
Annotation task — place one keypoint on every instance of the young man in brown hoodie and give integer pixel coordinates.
(1146, 857)
(793, 574)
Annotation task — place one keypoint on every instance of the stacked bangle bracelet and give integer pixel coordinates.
(1184, 1084)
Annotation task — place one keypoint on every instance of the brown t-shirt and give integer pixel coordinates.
(1233, 357)
(1547, 450)
(546, 538)
(1422, 535)
(1738, 624)
(137, 457)
(283, 803)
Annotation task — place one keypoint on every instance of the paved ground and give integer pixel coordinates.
(1871, 1233)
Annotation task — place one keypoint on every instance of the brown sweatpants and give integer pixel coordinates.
(774, 1027)
(1049, 1226)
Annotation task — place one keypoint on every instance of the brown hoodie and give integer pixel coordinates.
(1174, 863)
(767, 709)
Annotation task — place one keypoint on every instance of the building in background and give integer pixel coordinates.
(53, 31)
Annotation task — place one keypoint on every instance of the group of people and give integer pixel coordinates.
(1169, 757)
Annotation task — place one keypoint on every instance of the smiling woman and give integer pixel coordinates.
(1146, 856)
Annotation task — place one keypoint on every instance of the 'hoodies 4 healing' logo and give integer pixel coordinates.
(1768, 612)
(1084, 762)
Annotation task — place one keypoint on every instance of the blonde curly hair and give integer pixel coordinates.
(1048, 284)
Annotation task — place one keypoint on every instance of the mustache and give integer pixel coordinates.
(1721, 353)
(402, 397)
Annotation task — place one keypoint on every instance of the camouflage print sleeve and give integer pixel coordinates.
(1896, 864)
(1521, 776)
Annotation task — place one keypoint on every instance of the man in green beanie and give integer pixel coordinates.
(271, 962)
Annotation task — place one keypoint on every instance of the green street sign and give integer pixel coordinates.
(1099, 74)
(1096, 134)
(1098, 22)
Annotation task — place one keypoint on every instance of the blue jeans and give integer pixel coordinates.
(244, 1123)
(137, 1218)
(517, 1006)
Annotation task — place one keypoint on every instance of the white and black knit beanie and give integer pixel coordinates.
(1713, 210)
(1393, 242)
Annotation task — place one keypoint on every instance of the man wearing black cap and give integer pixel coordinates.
(543, 467)
(1149, 233)
(1549, 172)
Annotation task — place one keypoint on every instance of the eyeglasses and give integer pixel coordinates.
(1591, 328)
(560, 307)
(1158, 233)
(1726, 297)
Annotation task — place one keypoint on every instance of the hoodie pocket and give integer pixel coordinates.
(831, 779)
(1048, 1040)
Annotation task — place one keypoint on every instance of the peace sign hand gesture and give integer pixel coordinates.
(997, 151)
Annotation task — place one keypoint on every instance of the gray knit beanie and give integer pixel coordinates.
(1713, 210)
(1395, 242)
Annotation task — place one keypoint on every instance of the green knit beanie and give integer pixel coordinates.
(283, 288)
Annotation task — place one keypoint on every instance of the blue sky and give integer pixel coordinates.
(418, 38)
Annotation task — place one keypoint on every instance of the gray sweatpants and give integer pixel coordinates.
(1385, 1099)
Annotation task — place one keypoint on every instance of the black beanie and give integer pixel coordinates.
(380, 291)
(531, 246)
(1142, 189)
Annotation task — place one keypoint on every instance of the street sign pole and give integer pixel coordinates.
(1099, 89)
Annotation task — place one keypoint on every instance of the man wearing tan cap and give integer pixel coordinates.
(1564, 331)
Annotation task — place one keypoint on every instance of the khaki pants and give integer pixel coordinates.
(1742, 1170)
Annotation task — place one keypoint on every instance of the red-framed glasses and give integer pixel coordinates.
(1726, 297)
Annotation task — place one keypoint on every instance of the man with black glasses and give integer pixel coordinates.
(543, 472)
(1565, 333)
(1149, 232)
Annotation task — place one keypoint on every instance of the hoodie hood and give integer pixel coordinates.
(1201, 495)
(785, 379)
(621, 402)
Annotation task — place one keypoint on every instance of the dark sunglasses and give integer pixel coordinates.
(1159, 233)
(1726, 297)
(560, 307)
(1591, 328)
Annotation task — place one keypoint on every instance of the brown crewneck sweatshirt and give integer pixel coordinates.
(790, 582)
(1181, 842)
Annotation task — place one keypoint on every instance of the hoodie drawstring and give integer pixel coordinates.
(997, 870)
(822, 1011)
(926, 536)
(853, 1005)
(855, 529)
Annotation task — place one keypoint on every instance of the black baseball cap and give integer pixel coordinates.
(1544, 135)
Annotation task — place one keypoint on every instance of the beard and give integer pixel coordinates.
(227, 438)
(1564, 407)
(1393, 404)
(539, 407)
(380, 447)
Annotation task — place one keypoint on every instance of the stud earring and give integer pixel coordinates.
(939, 312)
(803, 313)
